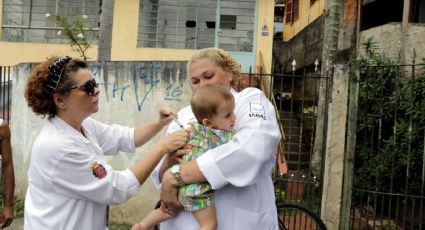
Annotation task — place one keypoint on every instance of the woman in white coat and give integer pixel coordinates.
(70, 183)
(239, 171)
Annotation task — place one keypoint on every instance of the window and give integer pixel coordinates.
(228, 22)
(288, 12)
(243, 13)
(33, 21)
(191, 24)
(291, 11)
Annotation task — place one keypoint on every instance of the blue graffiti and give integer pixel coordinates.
(173, 93)
(95, 69)
(150, 83)
(145, 79)
(116, 88)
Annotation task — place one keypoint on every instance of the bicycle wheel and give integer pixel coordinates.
(297, 217)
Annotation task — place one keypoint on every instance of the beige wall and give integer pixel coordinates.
(264, 49)
(124, 41)
(12, 53)
(387, 39)
(307, 14)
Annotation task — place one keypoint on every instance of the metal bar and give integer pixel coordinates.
(423, 183)
(2, 72)
(280, 91)
(8, 95)
(409, 146)
(30, 15)
(3, 89)
(44, 28)
(412, 217)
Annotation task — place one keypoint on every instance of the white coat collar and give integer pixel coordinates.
(69, 130)
(234, 93)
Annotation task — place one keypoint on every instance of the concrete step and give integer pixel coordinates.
(292, 130)
(287, 115)
(292, 138)
(295, 165)
(295, 147)
(289, 122)
(297, 160)
(297, 156)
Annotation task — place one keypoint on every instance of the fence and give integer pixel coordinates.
(296, 97)
(5, 88)
(389, 163)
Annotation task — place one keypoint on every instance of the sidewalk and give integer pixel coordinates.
(17, 224)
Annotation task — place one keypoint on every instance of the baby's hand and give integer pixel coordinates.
(166, 115)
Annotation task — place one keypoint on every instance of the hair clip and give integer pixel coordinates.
(55, 73)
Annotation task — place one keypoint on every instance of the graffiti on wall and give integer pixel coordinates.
(145, 81)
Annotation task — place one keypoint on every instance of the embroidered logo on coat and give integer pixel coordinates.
(98, 170)
(256, 110)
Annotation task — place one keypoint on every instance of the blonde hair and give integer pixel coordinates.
(221, 58)
(207, 99)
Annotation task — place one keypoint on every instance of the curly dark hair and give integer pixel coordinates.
(38, 97)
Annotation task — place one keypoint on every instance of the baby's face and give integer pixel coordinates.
(225, 118)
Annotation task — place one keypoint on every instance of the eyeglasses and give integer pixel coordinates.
(88, 87)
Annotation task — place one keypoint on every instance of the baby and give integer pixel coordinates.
(213, 108)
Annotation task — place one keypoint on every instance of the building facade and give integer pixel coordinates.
(159, 30)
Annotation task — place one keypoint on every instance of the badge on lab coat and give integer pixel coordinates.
(98, 170)
(257, 110)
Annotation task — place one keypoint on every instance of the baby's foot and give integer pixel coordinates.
(139, 226)
(136, 227)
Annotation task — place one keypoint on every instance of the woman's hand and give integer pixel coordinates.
(166, 115)
(6, 217)
(169, 189)
(174, 158)
(178, 155)
(173, 141)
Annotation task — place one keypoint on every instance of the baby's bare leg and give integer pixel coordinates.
(153, 218)
(206, 218)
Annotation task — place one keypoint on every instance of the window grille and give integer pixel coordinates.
(33, 21)
(190, 24)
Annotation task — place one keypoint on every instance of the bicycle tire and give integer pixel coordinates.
(296, 217)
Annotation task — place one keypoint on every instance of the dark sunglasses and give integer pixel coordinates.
(88, 87)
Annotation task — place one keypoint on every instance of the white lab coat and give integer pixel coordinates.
(64, 191)
(239, 171)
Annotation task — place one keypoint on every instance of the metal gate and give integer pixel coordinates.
(389, 160)
(5, 87)
(296, 98)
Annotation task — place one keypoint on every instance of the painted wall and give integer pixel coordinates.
(387, 38)
(307, 14)
(131, 94)
(124, 41)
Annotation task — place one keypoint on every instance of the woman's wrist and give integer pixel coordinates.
(169, 179)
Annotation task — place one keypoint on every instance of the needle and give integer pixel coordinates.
(178, 122)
